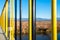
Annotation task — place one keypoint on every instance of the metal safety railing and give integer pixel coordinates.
(4, 19)
(32, 19)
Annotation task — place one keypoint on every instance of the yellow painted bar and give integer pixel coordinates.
(30, 20)
(3, 20)
(54, 20)
(0, 20)
(12, 20)
(6, 18)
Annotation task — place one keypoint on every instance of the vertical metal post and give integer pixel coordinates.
(30, 18)
(6, 18)
(54, 21)
(20, 19)
(15, 19)
(12, 20)
(34, 21)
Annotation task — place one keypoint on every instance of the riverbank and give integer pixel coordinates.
(39, 32)
(39, 25)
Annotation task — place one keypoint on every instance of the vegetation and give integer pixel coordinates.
(39, 25)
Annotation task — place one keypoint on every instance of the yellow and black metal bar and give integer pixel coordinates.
(54, 20)
(30, 8)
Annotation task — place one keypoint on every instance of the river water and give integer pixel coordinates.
(40, 37)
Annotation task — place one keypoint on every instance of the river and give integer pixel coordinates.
(40, 37)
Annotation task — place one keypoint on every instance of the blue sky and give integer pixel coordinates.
(43, 8)
(58, 8)
(1, 5)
